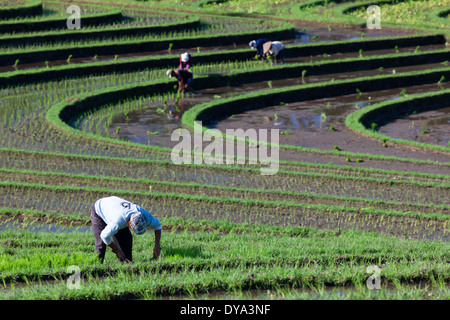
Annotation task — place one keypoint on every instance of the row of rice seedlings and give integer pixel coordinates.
(302, 182)
(144, 185)
(204, 29)
(54, 10)
(65, 199)
(17, 159)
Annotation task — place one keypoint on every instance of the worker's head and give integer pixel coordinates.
(138, 223)
(185, 57)
(170, 73)
(252, 44)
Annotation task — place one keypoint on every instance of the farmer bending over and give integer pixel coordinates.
(184, 77)
(110, 219)
(258, 45)
(275, 51)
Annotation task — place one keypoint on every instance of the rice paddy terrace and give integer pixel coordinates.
(362, 175)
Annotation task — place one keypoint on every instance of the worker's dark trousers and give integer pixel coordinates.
(123, 238)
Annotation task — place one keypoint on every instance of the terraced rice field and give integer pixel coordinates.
(362, 160)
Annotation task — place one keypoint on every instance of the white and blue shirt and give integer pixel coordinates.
(116, 212)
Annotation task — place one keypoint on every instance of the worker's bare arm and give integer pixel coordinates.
(119, 253)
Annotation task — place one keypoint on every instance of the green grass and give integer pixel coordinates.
(218, 258)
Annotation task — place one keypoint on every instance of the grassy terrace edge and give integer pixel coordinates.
(227, 107)
(283, 31)
(56, 23)
(187, 24)
(29, 9)
(360, 120)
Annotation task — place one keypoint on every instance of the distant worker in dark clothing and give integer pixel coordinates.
(276, 51)
(184, 77)
(185, 61)
(258, 45)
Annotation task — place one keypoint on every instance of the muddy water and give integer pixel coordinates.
(310, 35)
(428, 127)
(321, 124)
(304, 124)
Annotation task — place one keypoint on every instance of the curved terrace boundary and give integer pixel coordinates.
(220, 109)
(82, 34)
(33, 8)
(61, 114)
(122, 47)
(360, 121)
(79, 70)
(59, 23)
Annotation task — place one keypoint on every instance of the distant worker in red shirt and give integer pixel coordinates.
(185, 61)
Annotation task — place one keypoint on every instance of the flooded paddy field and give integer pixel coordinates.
(339, 203)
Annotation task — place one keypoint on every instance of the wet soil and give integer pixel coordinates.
(404, 226)
(304, 124)
(308, 124)
(363, 198)
(428, 127)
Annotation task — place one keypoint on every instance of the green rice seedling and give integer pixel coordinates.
(445, 63)
(441, 80)
(396, 49)
(363, 35)
(332, 128)
(16, 63)
(423, 131)
(380, 69)
(373, 126)
(303, 76)
(384, 140)
(286, 132)
(417, 49)
(358, 92)
(269, 83)
(361, 53)
(198, 49)
(116, 57)
(68, 58)
(170, 47)
(47, 64)
(329, 28)
(275, 117)
(118, 130)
